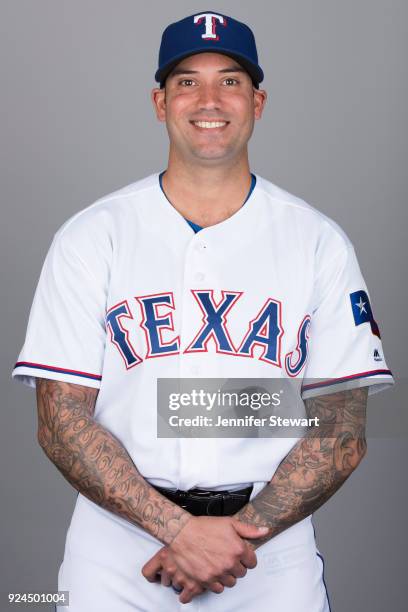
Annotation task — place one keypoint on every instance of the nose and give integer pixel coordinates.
(209, 97)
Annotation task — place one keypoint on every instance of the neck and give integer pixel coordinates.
(207, 195)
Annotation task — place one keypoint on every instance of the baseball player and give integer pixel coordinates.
(203, 270)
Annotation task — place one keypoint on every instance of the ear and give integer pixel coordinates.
(260, 97)
(159, 103)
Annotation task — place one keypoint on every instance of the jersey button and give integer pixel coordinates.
(199, 276)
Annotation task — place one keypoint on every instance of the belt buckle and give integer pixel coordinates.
(206, 503)
(218, 506)
(182, 495)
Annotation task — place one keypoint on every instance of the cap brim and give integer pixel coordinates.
(254, 71)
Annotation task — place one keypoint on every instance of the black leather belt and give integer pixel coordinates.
(208, 503)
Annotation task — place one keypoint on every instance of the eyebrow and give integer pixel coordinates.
(179, 71)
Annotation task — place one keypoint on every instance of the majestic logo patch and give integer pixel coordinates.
(362, 312)
(377, 356)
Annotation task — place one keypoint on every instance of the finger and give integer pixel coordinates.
(187, 587)
(165, 578)
(248, 559)
(151, 569)
(157, 578)
(176, 587)
(228, 580)
(245, 530)
(216, 587)
(178, 581)
(239, 570)
(191, 590)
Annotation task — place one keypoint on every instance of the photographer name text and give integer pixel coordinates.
(247, 421)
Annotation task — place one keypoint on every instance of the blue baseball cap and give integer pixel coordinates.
(208, 32)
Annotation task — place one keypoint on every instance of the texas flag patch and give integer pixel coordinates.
(362, 312)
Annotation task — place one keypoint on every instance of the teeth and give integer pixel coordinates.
(210, 124)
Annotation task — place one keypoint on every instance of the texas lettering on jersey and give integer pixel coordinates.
(264, 330)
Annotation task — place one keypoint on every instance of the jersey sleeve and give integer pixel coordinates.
(345, 347)
(65, 337)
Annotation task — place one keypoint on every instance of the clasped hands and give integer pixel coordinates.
(209, 552)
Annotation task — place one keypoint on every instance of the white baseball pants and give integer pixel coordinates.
(104, 555)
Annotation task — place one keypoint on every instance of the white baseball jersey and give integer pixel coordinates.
(129, 293)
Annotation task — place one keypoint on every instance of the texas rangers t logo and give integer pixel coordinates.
(210, 24)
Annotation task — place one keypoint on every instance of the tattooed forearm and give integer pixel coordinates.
(317, 465)
(95, 462)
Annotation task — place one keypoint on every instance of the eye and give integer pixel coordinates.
(186, 82)
(230, 81)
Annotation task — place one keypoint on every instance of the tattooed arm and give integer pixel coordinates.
(95, 462)
(317, 465)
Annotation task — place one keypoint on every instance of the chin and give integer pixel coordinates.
(213, 154)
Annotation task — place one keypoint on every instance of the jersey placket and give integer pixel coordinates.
(197, 455)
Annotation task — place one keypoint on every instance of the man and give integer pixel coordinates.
(180, 275)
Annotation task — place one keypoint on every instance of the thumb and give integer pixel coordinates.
(246, 530)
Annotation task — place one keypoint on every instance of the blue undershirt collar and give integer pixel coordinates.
(194, 226)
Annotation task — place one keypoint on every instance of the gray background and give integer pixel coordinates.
(77, 124)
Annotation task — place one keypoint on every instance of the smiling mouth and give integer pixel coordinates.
(209, 125)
